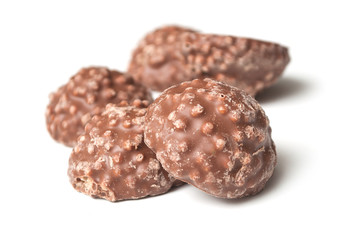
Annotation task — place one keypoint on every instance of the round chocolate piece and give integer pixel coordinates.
(111, 161)
(171, 55)
(213, 136)
(87, 94)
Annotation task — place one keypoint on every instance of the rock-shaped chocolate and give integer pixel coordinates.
(87, 94)
(111, 161)
(213, 136)
(171, 55)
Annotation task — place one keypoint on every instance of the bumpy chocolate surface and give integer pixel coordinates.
(171, 55)
(212, 136)
(87, 94)
(111, 161)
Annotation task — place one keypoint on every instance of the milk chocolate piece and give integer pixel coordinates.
(213, 136)
(85, 95)
(171, 55)
(111, 161)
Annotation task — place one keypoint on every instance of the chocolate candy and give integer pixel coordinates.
(213, 136)
(85, 95)
(171, 55)
(111, 161)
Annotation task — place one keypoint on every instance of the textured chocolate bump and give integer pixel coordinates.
(111, 161)
(171, 55)
(87, 94)
(222, 146)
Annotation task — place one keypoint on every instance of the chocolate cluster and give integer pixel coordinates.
(111, 161)
(85, 95)
(213, 136)
(205, 129)
(171, 55)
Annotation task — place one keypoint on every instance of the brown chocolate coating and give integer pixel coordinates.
(171, 55)
(213, 136)
(111, 161)
(87, 94)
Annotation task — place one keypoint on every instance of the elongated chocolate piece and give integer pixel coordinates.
(171, 55)
(87, 94)
(111, 161)
(213, 136)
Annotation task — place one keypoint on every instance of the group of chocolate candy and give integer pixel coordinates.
(205, 128)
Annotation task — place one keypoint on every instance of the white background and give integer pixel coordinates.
(314, 112)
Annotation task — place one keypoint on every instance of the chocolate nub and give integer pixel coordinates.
(111, 161)
(213, 136)
(87, 94)
(171, 55)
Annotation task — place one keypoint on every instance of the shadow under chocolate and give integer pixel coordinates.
(285, 87)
